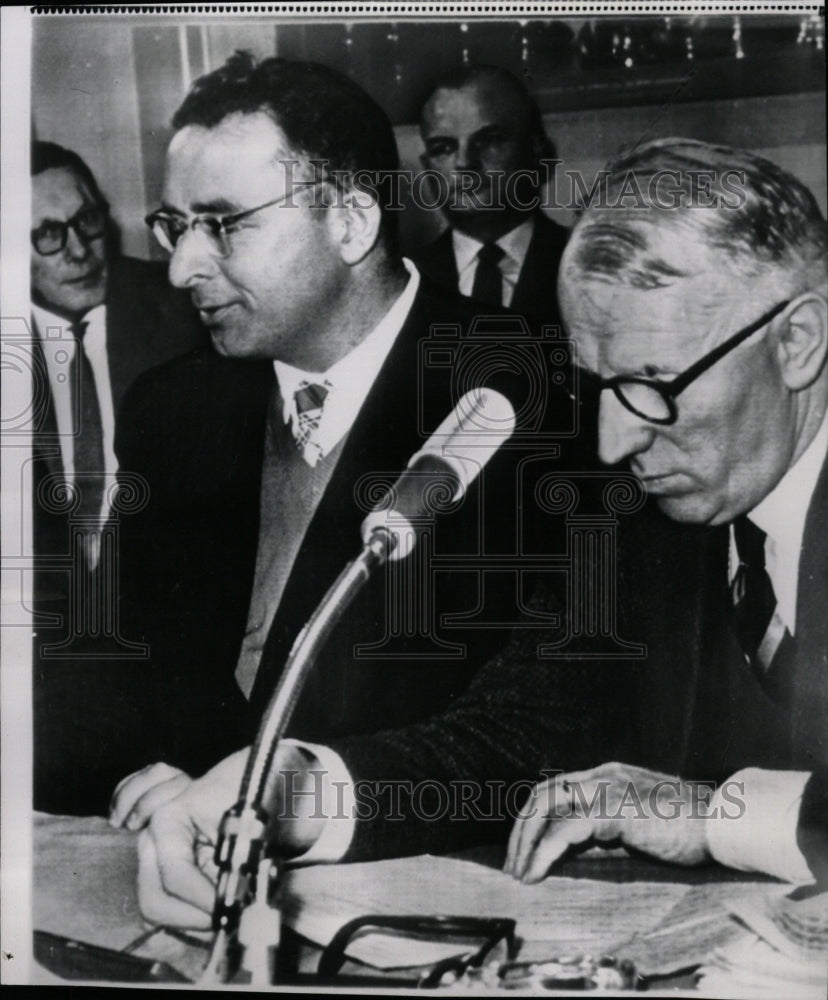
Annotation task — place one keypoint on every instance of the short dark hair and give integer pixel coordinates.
(543, 148)
(51, 156)
(324, 115)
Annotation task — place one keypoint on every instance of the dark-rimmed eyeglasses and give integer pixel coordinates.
(88, 224)
(654, 400)
(169, 227)
(492, 930)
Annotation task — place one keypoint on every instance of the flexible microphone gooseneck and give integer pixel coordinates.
(438, 474)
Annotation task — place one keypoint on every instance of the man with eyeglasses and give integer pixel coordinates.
(261, 460)
(702, 328)
(704, 335)
(101, 319)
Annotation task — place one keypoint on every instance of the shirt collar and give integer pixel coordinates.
(781, 515)
(46, 320)
(515, 244)
(351, 378)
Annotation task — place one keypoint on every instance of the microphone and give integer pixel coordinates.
(438, 474)
(442, 471)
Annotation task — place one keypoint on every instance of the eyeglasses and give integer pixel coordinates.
(492, 930)
(655, 400)
(168, 228)
(88, 224)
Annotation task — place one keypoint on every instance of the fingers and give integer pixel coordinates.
(548, 801)
(124, 809)
(558, 836)
(549, 823)
(159, 904)
(143, 810)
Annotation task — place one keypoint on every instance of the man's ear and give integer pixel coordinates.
(355, 222)
(802, 342)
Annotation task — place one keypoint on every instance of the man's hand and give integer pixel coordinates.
(655, 813)
(176, 871)
(138, 796)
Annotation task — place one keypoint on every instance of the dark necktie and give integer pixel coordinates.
(88, 441)
(751, 590)
(488, 279)
(309, 398)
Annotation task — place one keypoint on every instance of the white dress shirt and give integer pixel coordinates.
(763, 836)
(350, 380)
(515, 246)
(58, 347)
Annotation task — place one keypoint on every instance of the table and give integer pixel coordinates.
(85, 879)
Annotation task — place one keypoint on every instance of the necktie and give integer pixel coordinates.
(309, 399)
(488, 280)
(751, 591)
(88, 441)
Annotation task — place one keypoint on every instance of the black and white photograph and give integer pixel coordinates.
(415, 498)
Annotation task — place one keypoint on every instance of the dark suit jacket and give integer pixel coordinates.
(690, 706)
(195, 430)
(82, 701)
(147, 322)
(535, 296)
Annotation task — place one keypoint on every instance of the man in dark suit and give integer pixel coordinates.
(100, 320)
(703, 322)
(484, 136)
(250, 518)
(733, 296)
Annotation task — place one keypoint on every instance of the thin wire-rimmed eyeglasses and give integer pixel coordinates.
(168, 227)
(653, 399)
(88, 224)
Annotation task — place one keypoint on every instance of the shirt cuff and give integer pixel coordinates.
(752, 823)
(338, 804)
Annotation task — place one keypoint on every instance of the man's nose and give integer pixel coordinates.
(77, 248)
(191, 260)
(620, 432)
(467, 155)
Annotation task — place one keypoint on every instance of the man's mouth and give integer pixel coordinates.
(212, 313)
(89, 278)
(662, 484)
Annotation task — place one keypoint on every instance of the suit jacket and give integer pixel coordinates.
(83, 699)
(147, 322)
(690, 706)
(535, 295)
(195, 430)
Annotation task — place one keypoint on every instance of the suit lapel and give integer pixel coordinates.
(535, 294)
(382, 439)
(809, 721)
(437, 261)
(45, 439)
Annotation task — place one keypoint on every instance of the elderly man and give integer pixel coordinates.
(484, 136)
(701, 319)
(256, 497)
(100, 319)
(705, 331)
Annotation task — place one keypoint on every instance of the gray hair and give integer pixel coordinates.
(758, 215)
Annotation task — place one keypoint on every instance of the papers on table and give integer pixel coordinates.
(663, 926)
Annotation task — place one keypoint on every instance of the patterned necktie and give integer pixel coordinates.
(751, 590)
(309, 398)
(88, 442)
(488, 279)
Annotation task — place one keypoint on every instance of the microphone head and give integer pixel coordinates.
(482, 422)
(441, 472)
